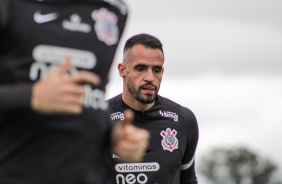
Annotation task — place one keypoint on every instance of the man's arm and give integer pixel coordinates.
(12, 96)
(188, 173)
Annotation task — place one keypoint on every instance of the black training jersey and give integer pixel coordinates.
(170, 156)
(36, 36)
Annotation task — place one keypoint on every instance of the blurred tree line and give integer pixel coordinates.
(238, 166)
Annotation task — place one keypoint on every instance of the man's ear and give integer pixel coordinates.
(121, 69)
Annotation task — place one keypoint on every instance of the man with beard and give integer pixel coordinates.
(170, 157)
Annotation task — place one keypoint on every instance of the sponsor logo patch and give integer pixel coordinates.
(135, 173)
(168, 114)
(137, 167)
(75, 24)
(169, 141)
(117, 115)
(44, 18)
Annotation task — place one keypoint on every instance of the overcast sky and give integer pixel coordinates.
(223, 60)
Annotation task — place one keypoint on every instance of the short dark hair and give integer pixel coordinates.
(143, 39)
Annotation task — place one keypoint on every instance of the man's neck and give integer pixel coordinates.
(136, 105)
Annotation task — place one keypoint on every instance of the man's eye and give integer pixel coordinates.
(157, 70)
(140, 69)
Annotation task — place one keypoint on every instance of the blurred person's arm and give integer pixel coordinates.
(14, 97)
(58, 92)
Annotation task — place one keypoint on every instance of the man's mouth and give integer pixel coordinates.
(148, 88)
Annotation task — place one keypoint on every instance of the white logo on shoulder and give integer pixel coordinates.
(44, 18)
(74, 24)
(117, 115)
(168, 114)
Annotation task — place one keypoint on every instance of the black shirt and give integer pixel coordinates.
(36, 35)
(170, 157)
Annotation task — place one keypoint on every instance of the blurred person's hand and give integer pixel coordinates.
(60, 92)
(129, 142)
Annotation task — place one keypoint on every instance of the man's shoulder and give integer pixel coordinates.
(116, 108)
(177, 107)
(114, 101)
(168, 102)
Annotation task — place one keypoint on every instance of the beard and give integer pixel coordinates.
(137, 93)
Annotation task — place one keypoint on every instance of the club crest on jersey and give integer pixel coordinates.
(106, 26)
(119, 4)
(169, 141)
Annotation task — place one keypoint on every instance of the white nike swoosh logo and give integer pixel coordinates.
(40, 18)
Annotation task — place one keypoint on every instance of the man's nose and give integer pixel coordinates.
(149, 76)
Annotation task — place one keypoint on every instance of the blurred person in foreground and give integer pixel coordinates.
(55, 56)
(170, 157)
